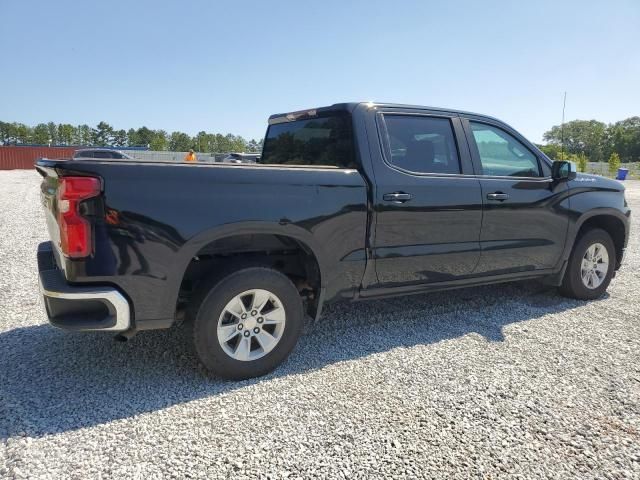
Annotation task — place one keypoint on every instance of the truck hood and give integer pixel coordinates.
(596, 181)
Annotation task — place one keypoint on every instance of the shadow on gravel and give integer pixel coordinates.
(52, 381)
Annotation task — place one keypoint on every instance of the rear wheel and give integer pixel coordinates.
(590, 267)
(247, 323)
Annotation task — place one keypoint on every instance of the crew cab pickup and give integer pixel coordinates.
(352, 201)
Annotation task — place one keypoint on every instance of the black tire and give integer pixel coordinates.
(572, 284)
(211, 299)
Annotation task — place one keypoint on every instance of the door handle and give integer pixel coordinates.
(397, 197)
(498, 196)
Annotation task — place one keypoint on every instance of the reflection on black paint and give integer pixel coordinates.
(128, 231)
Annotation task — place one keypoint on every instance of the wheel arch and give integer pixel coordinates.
(611, 221)
(223, 240)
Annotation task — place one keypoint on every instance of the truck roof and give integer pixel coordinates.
(350, 106)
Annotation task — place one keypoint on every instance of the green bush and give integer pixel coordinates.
(614, 163)
(582, 162)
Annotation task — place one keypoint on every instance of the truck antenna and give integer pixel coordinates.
(564, 104)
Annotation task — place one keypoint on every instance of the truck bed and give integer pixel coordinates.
(154, 218)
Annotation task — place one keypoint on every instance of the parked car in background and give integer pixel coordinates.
(352, 201)
(102, 153)
(241, 158)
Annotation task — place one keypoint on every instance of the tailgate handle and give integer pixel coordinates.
(397, 197)
(498, 196)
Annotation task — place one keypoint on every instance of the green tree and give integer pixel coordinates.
(625, 139)
(66, 134)
(233, 143)
(582, 162)
(180, 142)
(7, 133)
(15, 133)
(120, 138)
(580, 136)
(40, 134)
(144, 137)
(158, 140)
(222, 143)
(614, 163)
(53, 133)
(204, 142)
(84, 135)
(132, 138)
(103, 134)
(550, 150)
(22, 133)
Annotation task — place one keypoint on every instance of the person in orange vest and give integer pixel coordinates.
(190, 157)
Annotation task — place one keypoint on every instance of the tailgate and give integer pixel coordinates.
(49, 200)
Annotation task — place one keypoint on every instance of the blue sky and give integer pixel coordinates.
(224, 66)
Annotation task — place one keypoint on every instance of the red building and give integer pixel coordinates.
(15, 157)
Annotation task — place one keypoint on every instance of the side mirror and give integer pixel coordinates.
(563, 170)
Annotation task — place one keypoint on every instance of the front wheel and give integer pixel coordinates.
(590, 267)
(247, 323)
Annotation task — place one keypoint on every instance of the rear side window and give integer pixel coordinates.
(501, 154)
(422, 144)
(324, 141)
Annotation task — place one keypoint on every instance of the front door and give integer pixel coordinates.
(525, 214)
(427, 203)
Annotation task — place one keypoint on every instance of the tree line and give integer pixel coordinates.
(104, 135)
(594, 141)
(587, 140)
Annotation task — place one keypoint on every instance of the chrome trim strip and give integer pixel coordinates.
(110, 295)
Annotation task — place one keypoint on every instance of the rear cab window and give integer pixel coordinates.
(322, 141)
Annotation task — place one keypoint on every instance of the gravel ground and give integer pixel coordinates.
(509, 380)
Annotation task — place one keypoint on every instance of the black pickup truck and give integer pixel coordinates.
(351, 201)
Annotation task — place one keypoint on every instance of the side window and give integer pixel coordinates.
(422, 144)
(501, 154)
(102, 154)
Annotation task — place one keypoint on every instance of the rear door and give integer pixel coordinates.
(427, 202)
(525, 213)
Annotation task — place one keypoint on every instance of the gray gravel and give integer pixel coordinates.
(510, 380)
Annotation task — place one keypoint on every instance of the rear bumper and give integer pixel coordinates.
(81, 308)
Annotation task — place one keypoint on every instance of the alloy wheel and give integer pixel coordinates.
(594, 266)
(251, 325)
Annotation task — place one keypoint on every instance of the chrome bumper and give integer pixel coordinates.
(80, 308)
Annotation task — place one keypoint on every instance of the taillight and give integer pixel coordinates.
(75, 231)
